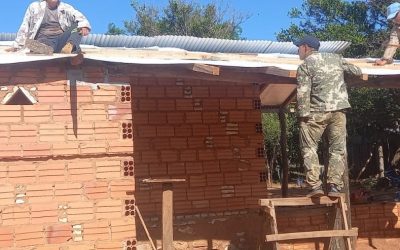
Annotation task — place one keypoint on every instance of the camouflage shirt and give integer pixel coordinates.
(33, 18)
(393, 43)
(320, 83)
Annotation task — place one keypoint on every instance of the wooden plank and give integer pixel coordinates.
(298, 201)
(280, 72)
(273, 224)
(346, 225)
(311, 235)
(284, 154)
(269, 210)
(335, 223)
(364, 77)
(162, 180)
(204, 68)
(167, 217)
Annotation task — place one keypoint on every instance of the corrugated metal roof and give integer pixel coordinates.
(189, 43)
(289, 48)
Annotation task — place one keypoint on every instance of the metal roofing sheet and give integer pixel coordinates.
(198, 44)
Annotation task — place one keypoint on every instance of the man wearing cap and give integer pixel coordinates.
(392, 15)
(321, 103)
(51, 26)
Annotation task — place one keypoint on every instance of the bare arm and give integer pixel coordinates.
(391, 48)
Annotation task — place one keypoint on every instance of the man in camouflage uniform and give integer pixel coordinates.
(321, 101)
(392, 13)
(51, 26)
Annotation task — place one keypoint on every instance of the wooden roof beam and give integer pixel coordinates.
(204, 68)
(281, 72)
(226, 74)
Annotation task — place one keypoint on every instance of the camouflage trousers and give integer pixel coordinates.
(334, 125)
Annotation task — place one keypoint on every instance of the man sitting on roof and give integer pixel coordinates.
(51, 26)
(392, 15)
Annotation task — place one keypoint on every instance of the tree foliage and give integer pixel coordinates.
(375, 113)
(272, 131)
(363, 23)
(182, 18)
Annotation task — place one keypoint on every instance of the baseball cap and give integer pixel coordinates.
(392, 10)
(309, 40)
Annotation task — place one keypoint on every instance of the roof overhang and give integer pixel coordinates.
(275, 73)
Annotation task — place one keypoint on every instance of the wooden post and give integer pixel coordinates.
(167, 215)
(347, 197)
(335, 219)
(273, 225)
(167, 210)
(285, 161)
(381, 162)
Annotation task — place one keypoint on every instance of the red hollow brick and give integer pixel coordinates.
(108, 169)
(122, 229)
(156, 91)
(122, 188)
(98, 230)
(29, 235)
(16, 216)
(108, 209)
(6, 237)
(174, 91)
(80, 211)
(166, 105)
(96, 190)
(57, 234)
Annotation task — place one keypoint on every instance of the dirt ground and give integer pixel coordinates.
(385, 244)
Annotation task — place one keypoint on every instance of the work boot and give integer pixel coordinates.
(316, 192)
(334, 190)
(37, 47)
(67, 49)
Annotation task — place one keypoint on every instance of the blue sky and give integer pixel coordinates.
(267, 16)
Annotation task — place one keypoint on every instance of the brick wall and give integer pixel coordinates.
(66, 170)
(70, 173)
(72, 164)
(205, 132)
(374, 221)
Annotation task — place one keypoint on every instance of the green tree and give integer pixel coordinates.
(363, 23)
(375, 113)
(272, 131)
(183, 18)
(114, 30)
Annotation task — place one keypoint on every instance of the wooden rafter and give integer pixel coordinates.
(204, 68)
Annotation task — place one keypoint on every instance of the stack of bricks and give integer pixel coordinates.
(66, 168)
(377, 220)
(208, 133)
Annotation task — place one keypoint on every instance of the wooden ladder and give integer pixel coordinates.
(269, 205)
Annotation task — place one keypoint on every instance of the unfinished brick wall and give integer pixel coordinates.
(375, 220)
(208, 133)
(65, 168)
(70, 163)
